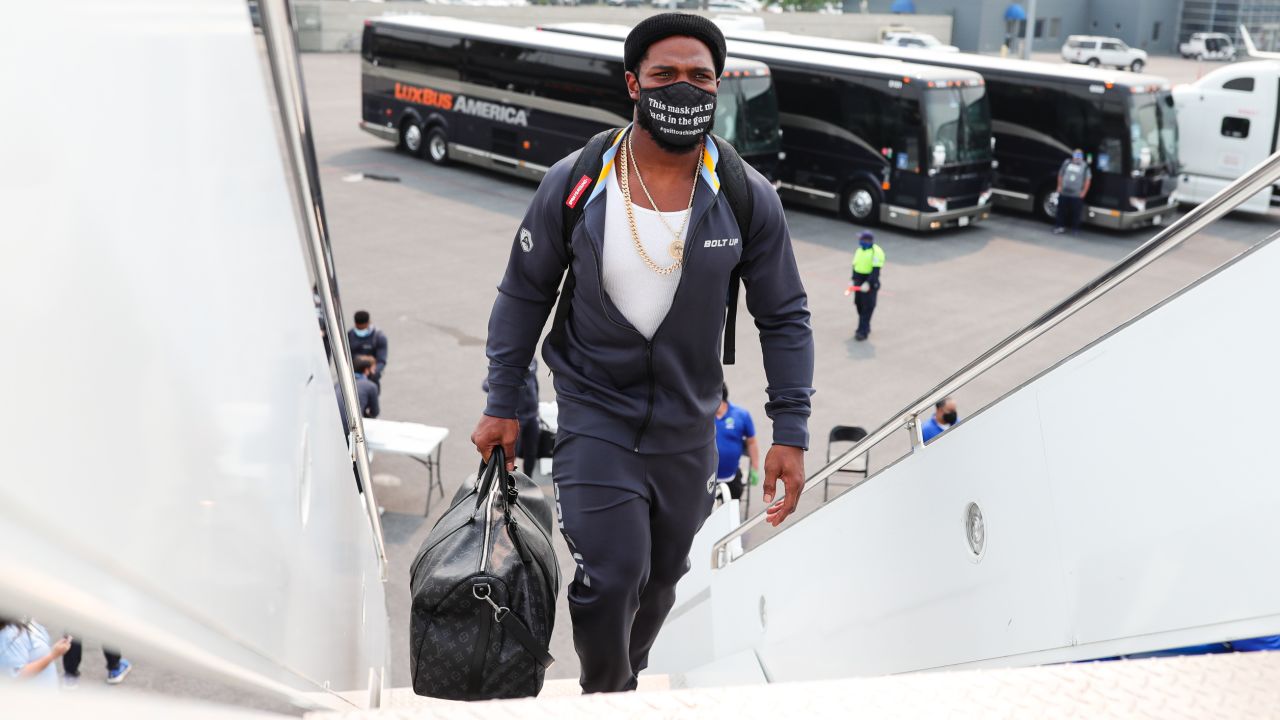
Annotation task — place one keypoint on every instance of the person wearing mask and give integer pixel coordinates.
(366, 391)
(636, 364)
(1074, 178)
(868, 260)
(365, 339)
(944, 417)
(27, 653)
(735, 436)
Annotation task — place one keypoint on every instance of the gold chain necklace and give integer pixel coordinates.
(677, 245)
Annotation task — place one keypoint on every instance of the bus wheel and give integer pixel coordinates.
(861, 203)
(410, 137)
(1137, 66)
(1093, 62)
(437, 146)
(1047, 204)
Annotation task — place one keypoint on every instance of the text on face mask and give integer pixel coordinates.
(677, 115)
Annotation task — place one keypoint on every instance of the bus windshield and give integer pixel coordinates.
(1153, 130)
(958, 124)
(747, 114)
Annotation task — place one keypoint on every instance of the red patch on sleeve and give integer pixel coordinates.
(576, 195)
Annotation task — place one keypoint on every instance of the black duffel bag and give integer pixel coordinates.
(484, 591)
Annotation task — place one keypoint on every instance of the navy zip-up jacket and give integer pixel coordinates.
(657, 396)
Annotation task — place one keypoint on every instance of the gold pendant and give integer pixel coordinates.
(676, 249)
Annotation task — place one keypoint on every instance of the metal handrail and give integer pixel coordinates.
(1251, 183)
(279, 32)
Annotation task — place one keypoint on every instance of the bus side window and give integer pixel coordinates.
(1234, 127)
(436, 55)
(583, 81)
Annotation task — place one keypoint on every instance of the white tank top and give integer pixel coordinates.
(642, 295)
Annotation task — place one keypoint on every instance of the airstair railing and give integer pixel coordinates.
(1260, 178)
(279, 32)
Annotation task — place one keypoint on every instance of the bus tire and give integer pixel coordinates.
(1093, 62)
(1047, 204)
(860, 203)
(1137, 66)
(410, 137)
(437, 146)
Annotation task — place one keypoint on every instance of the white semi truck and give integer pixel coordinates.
(1227, 123)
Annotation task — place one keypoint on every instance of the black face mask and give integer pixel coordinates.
(678, 115)
(949, 418)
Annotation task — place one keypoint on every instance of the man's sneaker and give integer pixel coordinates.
(1058, 231)
(70, 682)
(115, 677)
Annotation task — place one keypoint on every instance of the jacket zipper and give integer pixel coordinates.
(648, 343)
(648, 407)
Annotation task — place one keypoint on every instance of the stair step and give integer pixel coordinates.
(404, 697)
(1207, 686)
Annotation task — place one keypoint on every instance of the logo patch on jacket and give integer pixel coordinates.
(722, 242)
(526, 240)
(576, 194)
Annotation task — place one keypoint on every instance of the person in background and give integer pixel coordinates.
(1074, 178)
(735, 434)
(527, 414)
(365, 339)
(868, 260)
(944, 413)
(366, 391)
(26, 652)
(117, 667)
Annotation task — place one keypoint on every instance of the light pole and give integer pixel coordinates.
(1031, 30)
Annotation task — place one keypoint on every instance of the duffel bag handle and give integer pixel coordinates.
(496, 469)
(488, 470)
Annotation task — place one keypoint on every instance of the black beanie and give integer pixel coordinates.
(665, 25)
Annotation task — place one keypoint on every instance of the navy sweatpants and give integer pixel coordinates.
(629, 520)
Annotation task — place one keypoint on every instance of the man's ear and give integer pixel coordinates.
(633, 86)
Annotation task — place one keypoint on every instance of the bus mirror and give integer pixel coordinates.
(939, 154)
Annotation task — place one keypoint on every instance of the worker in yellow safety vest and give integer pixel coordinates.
(868, 260)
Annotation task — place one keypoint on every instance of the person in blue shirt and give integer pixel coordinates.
(735, 435)
(944, 414)
(28, 653)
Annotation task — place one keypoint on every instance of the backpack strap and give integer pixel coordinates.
(582, 179)
(737, 190)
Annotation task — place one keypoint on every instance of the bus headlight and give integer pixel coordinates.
(1139, 203)
(939, 204)
(984, 196)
